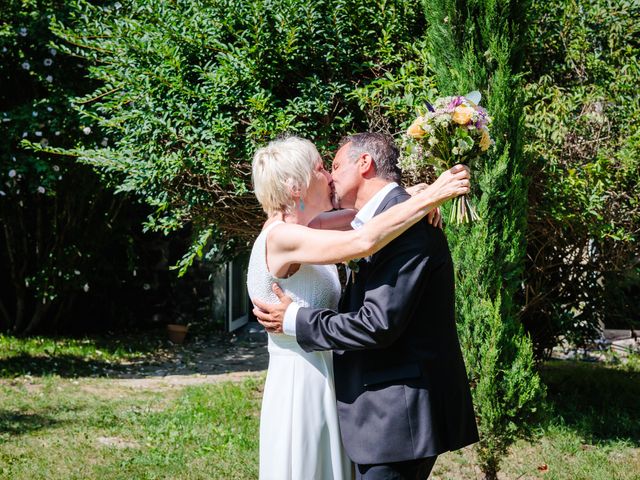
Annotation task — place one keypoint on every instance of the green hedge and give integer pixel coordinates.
(189, 89)
(584, 139)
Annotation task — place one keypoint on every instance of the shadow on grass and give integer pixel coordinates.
(130, 356)
(64, 365)
(75, 357)
(15, 423)
(601, 403)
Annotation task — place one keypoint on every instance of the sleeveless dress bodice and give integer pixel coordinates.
(316, 286)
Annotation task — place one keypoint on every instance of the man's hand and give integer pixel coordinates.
(271, 315)
(434, 217)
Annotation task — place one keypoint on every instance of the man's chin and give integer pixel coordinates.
(335, 201)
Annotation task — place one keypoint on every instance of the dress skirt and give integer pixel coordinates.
(299, 432)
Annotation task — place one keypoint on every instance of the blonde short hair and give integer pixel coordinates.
(281, 168)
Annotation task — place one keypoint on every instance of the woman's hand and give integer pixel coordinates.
(452, 183)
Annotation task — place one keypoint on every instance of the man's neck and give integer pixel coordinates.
(368, 190)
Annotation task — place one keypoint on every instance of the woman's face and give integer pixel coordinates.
(320, 193)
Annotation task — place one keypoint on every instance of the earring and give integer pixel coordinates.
(301, 205)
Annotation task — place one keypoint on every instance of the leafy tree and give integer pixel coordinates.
(478, 45)
(189, 89)
(581, 109)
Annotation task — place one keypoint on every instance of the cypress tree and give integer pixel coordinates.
(477, 45)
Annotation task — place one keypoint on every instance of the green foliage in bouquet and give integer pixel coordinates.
(477, 45)
(189, 90)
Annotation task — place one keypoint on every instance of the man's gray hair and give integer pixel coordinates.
(383, 151)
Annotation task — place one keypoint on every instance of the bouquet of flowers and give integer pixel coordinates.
(453, 130)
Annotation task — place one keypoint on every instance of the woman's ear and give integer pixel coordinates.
(294, 189)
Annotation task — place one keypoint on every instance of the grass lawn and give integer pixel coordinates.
(91, 427)
(54, 428)
(592, 431)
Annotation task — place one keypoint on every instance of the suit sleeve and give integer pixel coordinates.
(395, 281)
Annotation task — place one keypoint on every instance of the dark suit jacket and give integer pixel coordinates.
(401, 383)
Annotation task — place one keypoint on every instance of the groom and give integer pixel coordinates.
(401, 384)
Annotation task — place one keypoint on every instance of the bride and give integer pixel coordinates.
(299, 432)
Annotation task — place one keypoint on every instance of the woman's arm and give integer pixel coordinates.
(341, 219)
(291, 244)
(335, 220)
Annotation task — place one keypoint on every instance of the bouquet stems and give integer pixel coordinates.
(462, 211)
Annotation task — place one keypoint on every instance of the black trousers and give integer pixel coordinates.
(409, 470)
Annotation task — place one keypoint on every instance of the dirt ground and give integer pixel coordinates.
(197, 361)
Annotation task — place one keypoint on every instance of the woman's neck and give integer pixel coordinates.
(297, 217)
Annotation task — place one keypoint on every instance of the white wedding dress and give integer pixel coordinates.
(299, 433)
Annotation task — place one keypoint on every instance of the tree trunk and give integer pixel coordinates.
(5, 320)
(65, 307)
(38, 315)
(20, 308)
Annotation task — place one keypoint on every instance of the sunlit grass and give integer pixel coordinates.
(69, 426)
(65, 429)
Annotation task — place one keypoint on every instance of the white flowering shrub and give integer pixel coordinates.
(36, 260)
(65, 246)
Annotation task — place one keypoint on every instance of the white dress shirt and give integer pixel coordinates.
(363, 216)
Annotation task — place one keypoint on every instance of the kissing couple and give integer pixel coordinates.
(372, 381)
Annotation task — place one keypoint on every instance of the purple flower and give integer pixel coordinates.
(483, 118)
(454, 103)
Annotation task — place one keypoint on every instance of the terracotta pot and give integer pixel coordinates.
(177, 333)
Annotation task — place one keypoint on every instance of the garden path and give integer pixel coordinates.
(198, 361)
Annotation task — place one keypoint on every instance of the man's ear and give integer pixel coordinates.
(366, 165)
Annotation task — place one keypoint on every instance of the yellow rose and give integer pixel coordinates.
(415, 130)
(485, 140)
(462, 115)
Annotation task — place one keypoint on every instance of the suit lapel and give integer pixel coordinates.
(346, 304)
(388, 200)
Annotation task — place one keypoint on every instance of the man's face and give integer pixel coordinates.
(346, 177)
